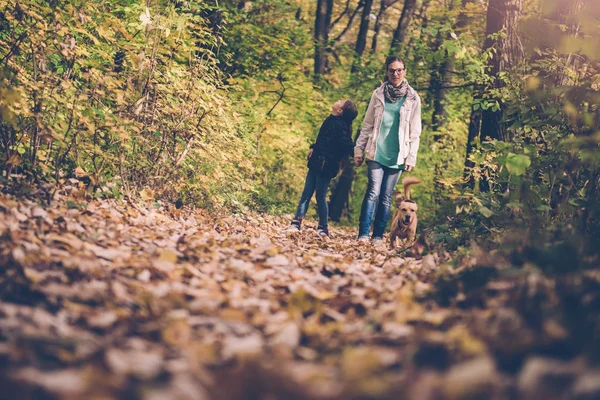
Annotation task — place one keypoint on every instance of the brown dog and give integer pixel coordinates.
(404, 223)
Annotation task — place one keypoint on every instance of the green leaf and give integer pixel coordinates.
(486, 212)
(529, 149)
(517, 163)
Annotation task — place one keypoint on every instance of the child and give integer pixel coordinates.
(333, 144)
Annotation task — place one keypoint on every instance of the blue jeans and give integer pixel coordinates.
(318, 181)
(382, 181)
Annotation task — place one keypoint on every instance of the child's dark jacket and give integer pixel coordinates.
(334, 143)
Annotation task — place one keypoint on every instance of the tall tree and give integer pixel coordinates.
(400, 32)
(502, 16)
(566, 14)
(383, 6)
(340, 192)
(321, 36)
(421, 37)
(502, 38)
(442, 74)
(361, 40)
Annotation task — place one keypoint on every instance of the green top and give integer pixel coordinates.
(388, 143)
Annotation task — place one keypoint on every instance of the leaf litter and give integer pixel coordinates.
(122, 300)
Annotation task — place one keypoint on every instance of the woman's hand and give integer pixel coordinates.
(409, 168)
(310, 151)
(358, 161)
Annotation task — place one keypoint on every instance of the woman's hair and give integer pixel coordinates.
(349, 111)
(390, 60)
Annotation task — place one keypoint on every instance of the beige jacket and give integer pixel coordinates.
(408, 135)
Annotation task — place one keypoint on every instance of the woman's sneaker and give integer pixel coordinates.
(378, 243)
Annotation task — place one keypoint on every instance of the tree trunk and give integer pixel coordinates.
(442, 75)
(566, 14)
(418, 57)
(340, 193)
(361, 40)
(378, 22)
(474, 128)
(400, 32)
(502, 16)
(439, 77)
(382, 7)
(322, 23)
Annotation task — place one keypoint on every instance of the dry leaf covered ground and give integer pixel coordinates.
(106, 299)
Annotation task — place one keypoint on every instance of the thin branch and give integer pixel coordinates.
(449, 87)
(335, 55)
(341, 15)
(14, 47)
(350, 21)
(281, 94)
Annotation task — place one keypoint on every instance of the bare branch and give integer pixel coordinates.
(350, 21)
(280, 93)
(341, 15)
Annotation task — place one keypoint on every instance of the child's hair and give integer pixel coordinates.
(349, 111)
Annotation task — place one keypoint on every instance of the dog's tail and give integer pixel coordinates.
(406, 182)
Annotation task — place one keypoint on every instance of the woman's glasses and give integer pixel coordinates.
(395, 70)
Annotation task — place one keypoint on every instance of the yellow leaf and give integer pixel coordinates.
(146, 194)
(324, 295)
(533, 82)
(168, 255)
(14, 160)
(465, 341)
(79, 172)
(177, 333)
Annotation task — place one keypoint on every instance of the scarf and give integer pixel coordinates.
(393, 94)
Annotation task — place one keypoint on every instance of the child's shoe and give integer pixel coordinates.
(294, 226)
(323, 232)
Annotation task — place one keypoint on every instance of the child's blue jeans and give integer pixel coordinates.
(315, 180)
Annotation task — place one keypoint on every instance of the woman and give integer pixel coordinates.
(333, 144)
(389, 139)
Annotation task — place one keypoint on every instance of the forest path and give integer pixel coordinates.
(120, 300)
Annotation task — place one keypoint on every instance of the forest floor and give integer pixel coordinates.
(106, 299)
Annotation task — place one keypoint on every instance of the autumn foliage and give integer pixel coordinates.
(150, 153)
